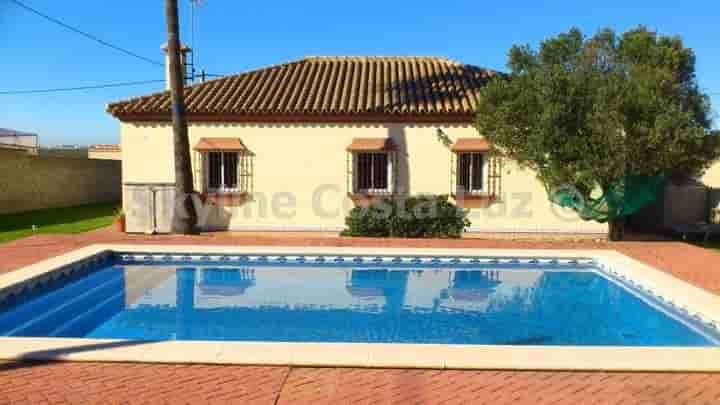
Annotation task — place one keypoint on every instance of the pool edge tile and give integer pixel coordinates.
(393, 355)
(68, 349)
(574, 358)
(330, 354)
(255, 353)
(185, 352)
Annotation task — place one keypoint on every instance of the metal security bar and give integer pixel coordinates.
(228, 172)
(246, 168)
(495, 169)
(371, 172)
(467, 173)
(470, 172)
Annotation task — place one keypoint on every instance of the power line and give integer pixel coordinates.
(65, 89)
(85, 34)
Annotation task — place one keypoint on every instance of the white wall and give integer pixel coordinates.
(308, 162)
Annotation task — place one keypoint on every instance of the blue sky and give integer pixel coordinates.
(233, 36)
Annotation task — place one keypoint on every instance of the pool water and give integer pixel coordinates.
(380, 303)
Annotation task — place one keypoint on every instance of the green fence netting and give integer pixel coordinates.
(624, 197)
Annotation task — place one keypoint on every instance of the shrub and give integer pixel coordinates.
(408, 217)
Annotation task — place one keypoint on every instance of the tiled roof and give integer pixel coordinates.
(328, 86)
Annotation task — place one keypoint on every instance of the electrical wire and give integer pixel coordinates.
(85, 34)
(79, 88)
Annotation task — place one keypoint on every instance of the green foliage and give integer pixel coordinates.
(590, 113)
(408, 217)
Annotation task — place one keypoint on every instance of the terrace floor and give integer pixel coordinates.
(173, 384)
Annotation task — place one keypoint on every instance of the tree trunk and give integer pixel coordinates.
(616, 229)
(185, 218)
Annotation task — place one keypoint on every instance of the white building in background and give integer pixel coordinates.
(104, 151)
(12, 139)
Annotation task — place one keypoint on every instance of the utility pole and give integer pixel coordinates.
(185, 218)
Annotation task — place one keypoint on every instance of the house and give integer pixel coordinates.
(18, 149)
(295, 146)
(11, 139)
(104, 152)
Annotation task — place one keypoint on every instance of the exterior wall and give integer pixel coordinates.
(30, 183)
(104, 155)
(21, 149)
(300, 175)
(711, 178)
(27, 142)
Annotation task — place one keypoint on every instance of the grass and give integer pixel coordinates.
(711, 244)
(70, 220)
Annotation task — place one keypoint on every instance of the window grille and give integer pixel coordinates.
(228, 172)
(371, 172)
(495, 169)
(470, 172)
(476, 173)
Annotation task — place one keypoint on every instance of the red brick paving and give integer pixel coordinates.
(110, 383)
(96, 383)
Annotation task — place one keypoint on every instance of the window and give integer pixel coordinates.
(222, 172)
(470, 172)
(372, 172)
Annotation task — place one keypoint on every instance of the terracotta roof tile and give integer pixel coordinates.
(326, 86)
(471, 145)
(371, 144)
(210, 144)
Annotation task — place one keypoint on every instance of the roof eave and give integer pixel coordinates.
(455, 118)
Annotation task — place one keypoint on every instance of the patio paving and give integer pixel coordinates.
(110, 383)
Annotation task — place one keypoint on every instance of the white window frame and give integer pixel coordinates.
(206, 172)
(356, 173)
(472, 190)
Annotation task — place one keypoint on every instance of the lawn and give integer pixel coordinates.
(57, 220)
(712, 244)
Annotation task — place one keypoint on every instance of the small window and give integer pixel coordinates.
(372, 172)
(223, 172)
(470, 172)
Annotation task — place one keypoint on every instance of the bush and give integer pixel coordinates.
(409, 217)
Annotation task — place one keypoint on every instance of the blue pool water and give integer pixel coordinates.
(350, 301)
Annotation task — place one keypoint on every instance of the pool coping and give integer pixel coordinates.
(696, 301)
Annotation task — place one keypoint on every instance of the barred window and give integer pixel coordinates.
(372, 172)
(222, 172)
(470, 171)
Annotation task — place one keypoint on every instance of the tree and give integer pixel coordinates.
(605, 117)
(184, 222)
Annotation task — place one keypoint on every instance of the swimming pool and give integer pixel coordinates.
(358, 307)
(411, 299)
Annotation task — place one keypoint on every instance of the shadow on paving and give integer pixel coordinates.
(43, 357)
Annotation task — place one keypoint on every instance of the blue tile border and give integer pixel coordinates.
(665, 302)
(62, 272)
(578, 263)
